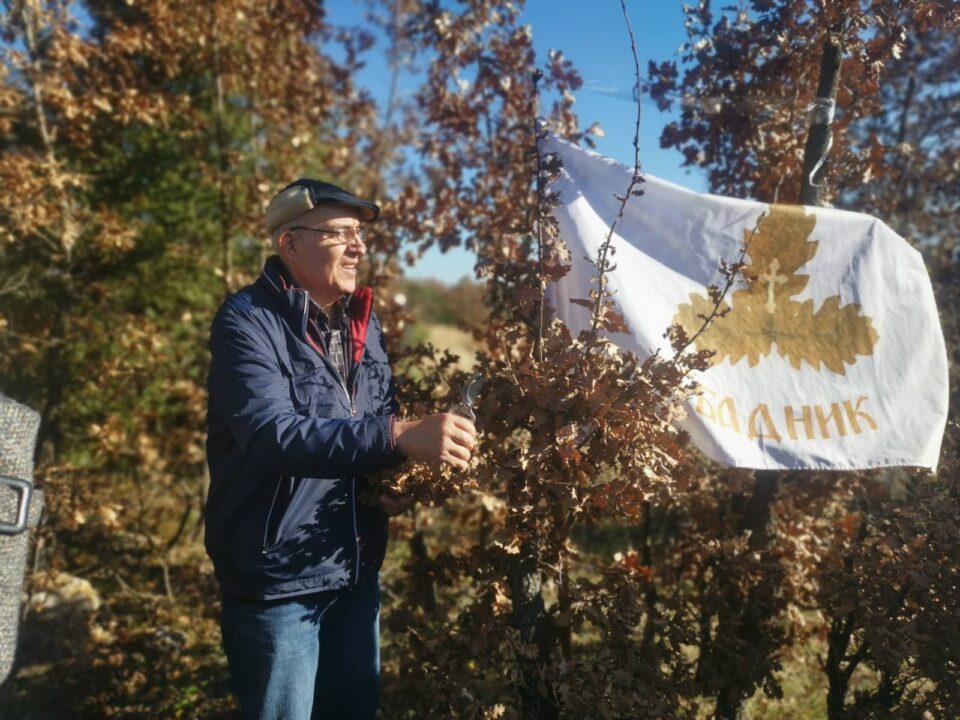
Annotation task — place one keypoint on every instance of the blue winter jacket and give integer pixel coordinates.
(288, 445)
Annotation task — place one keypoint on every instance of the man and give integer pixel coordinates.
(301, 407)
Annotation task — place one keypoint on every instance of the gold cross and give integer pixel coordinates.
(774, 280)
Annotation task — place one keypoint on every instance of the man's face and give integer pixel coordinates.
(324, 264)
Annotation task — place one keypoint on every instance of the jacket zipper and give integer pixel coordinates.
(353, 480)
(356, 537)
(266, 526)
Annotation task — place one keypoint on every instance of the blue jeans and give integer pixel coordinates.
(313, 657)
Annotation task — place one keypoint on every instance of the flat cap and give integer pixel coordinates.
(305, 194)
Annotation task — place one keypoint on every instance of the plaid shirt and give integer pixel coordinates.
(332, 333)
(329, 333)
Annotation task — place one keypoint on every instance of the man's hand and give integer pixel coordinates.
(446, 437)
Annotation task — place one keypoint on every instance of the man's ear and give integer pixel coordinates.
(285, 244)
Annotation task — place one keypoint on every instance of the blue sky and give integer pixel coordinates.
(592, 34)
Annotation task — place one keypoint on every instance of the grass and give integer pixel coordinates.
(458, 342)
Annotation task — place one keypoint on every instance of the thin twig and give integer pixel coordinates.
(731, 277)
(222, 161)
(68, 227)
(386, 141)
(181, 526)
(15, 282)
(128, 589)
(602, 263)
(167, 586)
(510, 368)
(541, 200)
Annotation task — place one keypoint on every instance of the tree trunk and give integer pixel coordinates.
(529, 617)
(838, 641)
(647, 645)
(421, 558)
(51, 435)
(758, 609)
(759, 517)
(819, 137)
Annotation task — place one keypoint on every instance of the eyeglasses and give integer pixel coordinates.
(345, 236)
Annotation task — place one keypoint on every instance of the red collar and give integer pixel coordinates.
(359, 304)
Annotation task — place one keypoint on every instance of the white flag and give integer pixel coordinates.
(831, 355)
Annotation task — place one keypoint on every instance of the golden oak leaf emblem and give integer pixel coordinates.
(763, 315)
